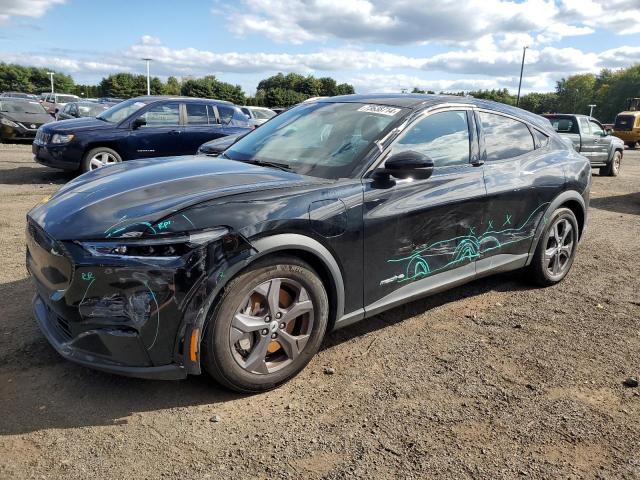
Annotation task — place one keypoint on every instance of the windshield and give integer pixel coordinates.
(263, 114)
(88, 110)
(119, 112)
(324, 140)
(21, 106)
(66, 98)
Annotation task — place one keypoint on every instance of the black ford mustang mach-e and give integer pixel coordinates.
(328, 214)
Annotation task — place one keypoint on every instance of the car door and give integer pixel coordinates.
(521, 177)
(421, 234)
(601, 143)
(587, 140)
(200, 127)
(160, 135)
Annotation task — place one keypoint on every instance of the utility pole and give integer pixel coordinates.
(524, 52)
(51, 74)
(591, 107)
(148, 78)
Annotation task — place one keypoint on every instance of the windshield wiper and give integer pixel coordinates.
(264, 163)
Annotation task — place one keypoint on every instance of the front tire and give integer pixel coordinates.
(99, 157)
(613, 167)
(556, 249)
(266, 327)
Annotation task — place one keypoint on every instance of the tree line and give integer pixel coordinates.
(607, 89)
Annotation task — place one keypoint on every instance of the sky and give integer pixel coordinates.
(375, 45)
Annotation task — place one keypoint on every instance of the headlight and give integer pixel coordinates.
(161, 248)
(8, 123)
(59, 138)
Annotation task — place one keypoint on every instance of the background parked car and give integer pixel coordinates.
(20, 119)
(137, 128)
(26, 96)
(591, 139)
(57, 100)
(258, 115)
(213, 148)
(82, 109)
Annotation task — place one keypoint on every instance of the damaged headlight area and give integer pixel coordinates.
(119, 307)
(167, 248)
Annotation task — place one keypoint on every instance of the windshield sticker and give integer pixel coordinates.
(380, 109)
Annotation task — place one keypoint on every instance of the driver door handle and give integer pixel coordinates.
(175, 132)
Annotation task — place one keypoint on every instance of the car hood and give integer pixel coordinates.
(140, 192)
(76, 125)
(28, 119)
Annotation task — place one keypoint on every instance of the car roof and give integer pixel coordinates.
(419, 101)
(151, 98)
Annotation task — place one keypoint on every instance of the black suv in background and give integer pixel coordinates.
(141, 127)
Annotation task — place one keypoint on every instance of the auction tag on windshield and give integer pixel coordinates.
(381, 109)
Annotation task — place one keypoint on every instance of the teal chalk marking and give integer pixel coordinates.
(164, 225)
(469, 247)
(88, 276)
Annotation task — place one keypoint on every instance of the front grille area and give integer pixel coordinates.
(61, 327)
(624, 123)
(42, 138)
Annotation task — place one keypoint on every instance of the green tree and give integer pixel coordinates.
(127, 85)
(32, 80)
(282, 90)
(575, 93)
(210, 87)
(540, 102)
(172, 87)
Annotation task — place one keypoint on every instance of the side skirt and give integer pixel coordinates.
(435, 284)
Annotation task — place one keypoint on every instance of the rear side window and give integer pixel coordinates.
(443, 137)
(564, 125)
(504, 137)
(198, 114)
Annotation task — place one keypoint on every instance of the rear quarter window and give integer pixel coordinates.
(505, 137)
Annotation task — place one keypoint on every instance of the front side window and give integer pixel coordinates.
(197, 114)
(596, 128)
(443, 137)
(325, 140)
(505, 137)
(226, 114)
(164, 115)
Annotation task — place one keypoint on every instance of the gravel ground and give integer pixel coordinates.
(490, 380)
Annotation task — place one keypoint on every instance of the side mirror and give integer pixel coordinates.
(609, 131)
(138, 122)
(57, 110)
(408, 164)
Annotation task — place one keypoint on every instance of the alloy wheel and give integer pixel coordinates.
(272, 326)
(559, 248)
(102, 159)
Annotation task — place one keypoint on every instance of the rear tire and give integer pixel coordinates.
(253, 340)
(613, 167)
(556, 249)
(99, 157)
(631, 145)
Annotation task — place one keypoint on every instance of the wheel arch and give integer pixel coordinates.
(570, 199)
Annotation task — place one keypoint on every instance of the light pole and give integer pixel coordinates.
(591, 107)
(51, 74)
(524, 52)
(148, 79)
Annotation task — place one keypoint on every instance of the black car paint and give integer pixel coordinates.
(219, 145)
(128, 141)
(352, 231)
(28, 124)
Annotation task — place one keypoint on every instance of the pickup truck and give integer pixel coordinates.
(591, 139)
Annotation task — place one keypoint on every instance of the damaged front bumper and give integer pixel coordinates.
(112, 343)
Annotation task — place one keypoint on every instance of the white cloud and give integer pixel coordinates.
(445, 21)
(25, 8)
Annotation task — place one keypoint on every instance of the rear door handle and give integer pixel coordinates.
(175, 132)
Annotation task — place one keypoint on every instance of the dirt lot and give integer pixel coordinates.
(490, 380)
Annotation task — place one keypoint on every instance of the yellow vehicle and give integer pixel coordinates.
(627, 126)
